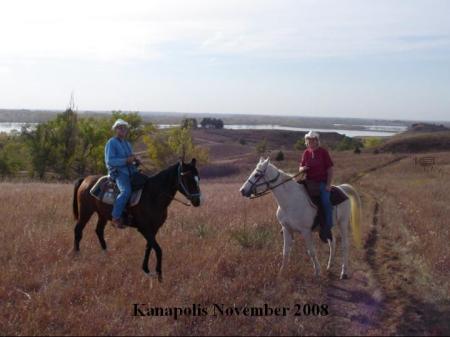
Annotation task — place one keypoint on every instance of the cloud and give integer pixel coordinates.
(142, 30)
(4, 69)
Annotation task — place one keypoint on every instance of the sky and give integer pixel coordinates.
(385, 59)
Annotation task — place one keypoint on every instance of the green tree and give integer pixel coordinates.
(166, 146)
(371, 142)
(300, 144)
(190, 123)
(279, 156)
(40, 147)
(13, 155)
(348, 143)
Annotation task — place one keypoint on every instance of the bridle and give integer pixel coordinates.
(183, 187)
(262, 174)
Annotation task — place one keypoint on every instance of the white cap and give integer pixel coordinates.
(312, 134)
(120, 122)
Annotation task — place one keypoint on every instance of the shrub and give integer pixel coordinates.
(300, 145)
(279, 156)
(256, 237)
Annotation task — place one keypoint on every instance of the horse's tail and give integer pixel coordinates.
(75, 198)
(355, 205)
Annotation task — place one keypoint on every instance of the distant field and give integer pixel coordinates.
(28, 116)
(229, 251)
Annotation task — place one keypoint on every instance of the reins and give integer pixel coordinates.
(270, 188)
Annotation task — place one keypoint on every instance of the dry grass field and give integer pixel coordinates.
(228, 252)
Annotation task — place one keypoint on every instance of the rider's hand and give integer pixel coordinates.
(131, 159)
(304, 168)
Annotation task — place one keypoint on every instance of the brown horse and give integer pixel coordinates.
(148, 215)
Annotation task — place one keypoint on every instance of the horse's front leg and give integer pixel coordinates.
(148, 250)
(332, 246)
(312, 251)
(151, 243)
(158, 252)
(287, 245)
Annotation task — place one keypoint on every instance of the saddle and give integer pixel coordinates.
(106, 190)
(337, 196)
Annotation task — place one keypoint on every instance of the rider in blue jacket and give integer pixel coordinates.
(119, 160)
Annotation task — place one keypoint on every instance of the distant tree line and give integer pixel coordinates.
(206, 123)
(69, 146)
(211, 123)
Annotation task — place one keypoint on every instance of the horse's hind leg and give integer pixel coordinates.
(82, 221)
(100, 230)
(344, 242)
(332, 245)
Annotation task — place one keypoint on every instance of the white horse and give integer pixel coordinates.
(296, 212)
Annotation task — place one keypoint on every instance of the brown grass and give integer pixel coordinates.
(227, 251)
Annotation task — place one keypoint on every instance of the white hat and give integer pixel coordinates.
(120, 122)
(312, 134)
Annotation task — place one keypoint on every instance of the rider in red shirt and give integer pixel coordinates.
(317, 164)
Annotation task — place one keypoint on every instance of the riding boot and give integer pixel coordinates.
(118, 223)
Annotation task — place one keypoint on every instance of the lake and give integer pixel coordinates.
(370, 130)
(8, 127)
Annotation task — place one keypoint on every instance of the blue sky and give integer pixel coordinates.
(347, 58)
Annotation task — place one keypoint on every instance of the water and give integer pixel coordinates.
(370, 130)
(390, 130)
(8, 127)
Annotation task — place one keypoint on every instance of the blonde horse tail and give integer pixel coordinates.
(355, 205)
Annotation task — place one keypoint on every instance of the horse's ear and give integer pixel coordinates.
(261, 159)
(268, 158)
(193, 162)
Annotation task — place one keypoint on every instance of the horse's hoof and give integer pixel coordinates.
(150, 274)
(160, 278)
(344, 277)
(73, 253)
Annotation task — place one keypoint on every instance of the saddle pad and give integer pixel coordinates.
(105, 190)
(337, 196)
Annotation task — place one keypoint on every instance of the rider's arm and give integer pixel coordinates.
(303, 166)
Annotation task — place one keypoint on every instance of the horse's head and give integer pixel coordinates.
(189, 181)
(259, 180)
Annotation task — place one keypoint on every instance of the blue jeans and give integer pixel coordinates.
(123, 183)
(326, 203)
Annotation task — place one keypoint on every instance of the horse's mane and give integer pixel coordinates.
(281, 171)
(162, 176)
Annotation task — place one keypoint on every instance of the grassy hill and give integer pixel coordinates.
(228, 251)
(411, 142)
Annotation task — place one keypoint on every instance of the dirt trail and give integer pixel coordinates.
(380, 297)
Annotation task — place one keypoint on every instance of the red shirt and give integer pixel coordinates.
(318, 161)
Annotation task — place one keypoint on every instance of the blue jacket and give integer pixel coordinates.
(116, 153)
